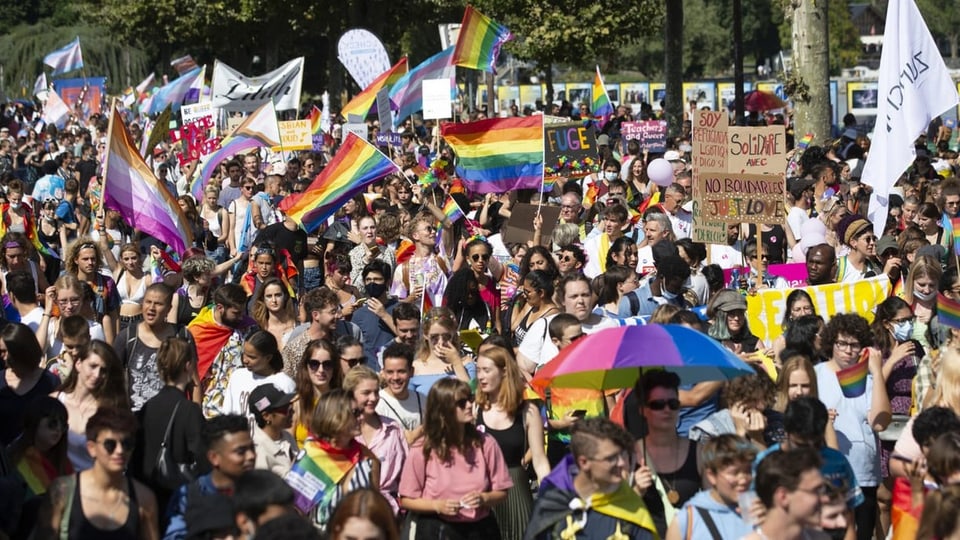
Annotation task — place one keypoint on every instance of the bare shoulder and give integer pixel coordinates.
(145, 496)
(60, 488)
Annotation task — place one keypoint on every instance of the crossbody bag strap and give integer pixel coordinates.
(708, 521)
(166, 433)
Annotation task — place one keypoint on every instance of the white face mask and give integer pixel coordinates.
(667, 294)
(610, 176)
(14, 206)
(924, 297)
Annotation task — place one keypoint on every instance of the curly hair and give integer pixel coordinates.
(544, 253)
(750, 389)
(442, 431)
(848, 324)
(73, 253)
(194, 267)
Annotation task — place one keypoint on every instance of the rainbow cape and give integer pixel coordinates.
(853, 380)
(130, 187)
(210, 338)
(318, 470)
(405, 250)
(356, 165)
(479, 42)
(37, 472)
(362, 103)
(498, 154)
(602, 108)
(30, 229)
(948, 311)
(904, 517)
(452, 210)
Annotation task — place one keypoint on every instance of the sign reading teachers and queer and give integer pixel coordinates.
(767, 308)
(570, 150)
(650, 134)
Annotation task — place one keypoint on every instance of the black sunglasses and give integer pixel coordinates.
(660, 404)
(462, 403)
(353, 362)
(314, 365)
(110, 445)
(477, 256)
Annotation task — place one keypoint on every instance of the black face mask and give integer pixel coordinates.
(836, 534)
(374, 290)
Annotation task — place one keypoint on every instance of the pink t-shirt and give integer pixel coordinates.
(433, 479)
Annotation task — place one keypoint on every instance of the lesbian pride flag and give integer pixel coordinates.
(130, 187)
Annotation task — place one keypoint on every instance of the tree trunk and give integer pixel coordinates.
(548, 81)
(954, 45)
(809, 84)
(673, 66)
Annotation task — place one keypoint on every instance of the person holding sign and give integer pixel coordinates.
(852, 383)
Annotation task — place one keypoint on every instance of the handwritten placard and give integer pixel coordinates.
(570, 150)
(757, 150)
(294, 135)
(709, 156)
(651, 134)
(742, 198)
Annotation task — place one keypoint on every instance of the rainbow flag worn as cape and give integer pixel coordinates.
(210, 338)
(366, 100)
(30, 231)
(318, 470)
(356, 165)
(405, 250)
(479, 42)
(452, 210)
(498, 154)
(904, 517)
(37, 472)
(602, 108)
(853, 380)
(948, 311)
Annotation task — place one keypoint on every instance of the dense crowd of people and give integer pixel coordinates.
(369, 380)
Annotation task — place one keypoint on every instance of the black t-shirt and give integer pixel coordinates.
(12, 405)
(87, 168)
(281, 237)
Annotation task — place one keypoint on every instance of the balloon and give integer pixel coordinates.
(660, 172)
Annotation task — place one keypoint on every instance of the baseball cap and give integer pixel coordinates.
(885, 243)
(603, 140)
(266, 397)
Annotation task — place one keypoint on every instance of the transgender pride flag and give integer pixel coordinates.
(65, 59)
(407, 93)
(183, 89)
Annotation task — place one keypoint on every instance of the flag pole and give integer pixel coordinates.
(106, 157)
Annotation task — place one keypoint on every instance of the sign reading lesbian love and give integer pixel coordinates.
(570, 150)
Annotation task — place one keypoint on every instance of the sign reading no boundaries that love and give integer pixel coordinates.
(767, 308)
(651, 134)
(741, 198)
(570, 150)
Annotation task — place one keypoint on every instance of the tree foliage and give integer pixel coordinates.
(943, 20)
(844, 40)
(23, 48)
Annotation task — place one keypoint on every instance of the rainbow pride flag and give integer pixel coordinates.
(548, 184)
(362, 103)
(479, 42)
(948, 311)
(955, 225)
(853, 380)
(407, 92)
(356, 165)
(130, 187)
(30, 232)
(314, 118)
(602, 108)
(452, 210)
(259, 129)
(320, 467)
(498, 154)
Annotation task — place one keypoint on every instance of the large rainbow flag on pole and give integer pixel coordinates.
(498, 154)
(259, 129)
(407, 93)
(356, 165)
(479, 42)
(602, 108)
(130, 187)
(361, 104)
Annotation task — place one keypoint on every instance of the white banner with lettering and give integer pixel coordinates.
(234, 91)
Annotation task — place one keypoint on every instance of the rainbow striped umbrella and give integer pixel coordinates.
(614, 357)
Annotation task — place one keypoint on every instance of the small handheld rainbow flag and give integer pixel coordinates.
(955, 225)
(853, 380)
(602, 108)
(318, 470)
(948, 311)
(314, 118)
(452, 210)
(805, 141)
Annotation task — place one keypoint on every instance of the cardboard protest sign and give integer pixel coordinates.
(741, 198)
(192, 113)
(757, 150)
(570, 150)
(709, 155)
(651, 134)
(767, 308)
(520, 224)
(294, 135)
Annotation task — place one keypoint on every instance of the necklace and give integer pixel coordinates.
(670, 485)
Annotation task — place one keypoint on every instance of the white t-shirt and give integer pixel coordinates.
(408, 412)
(795, 219)
(55, 346)
(537, 345)
(725, 255)
(645, 260)
(33, 318)
(243, 381)
(682, 223)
